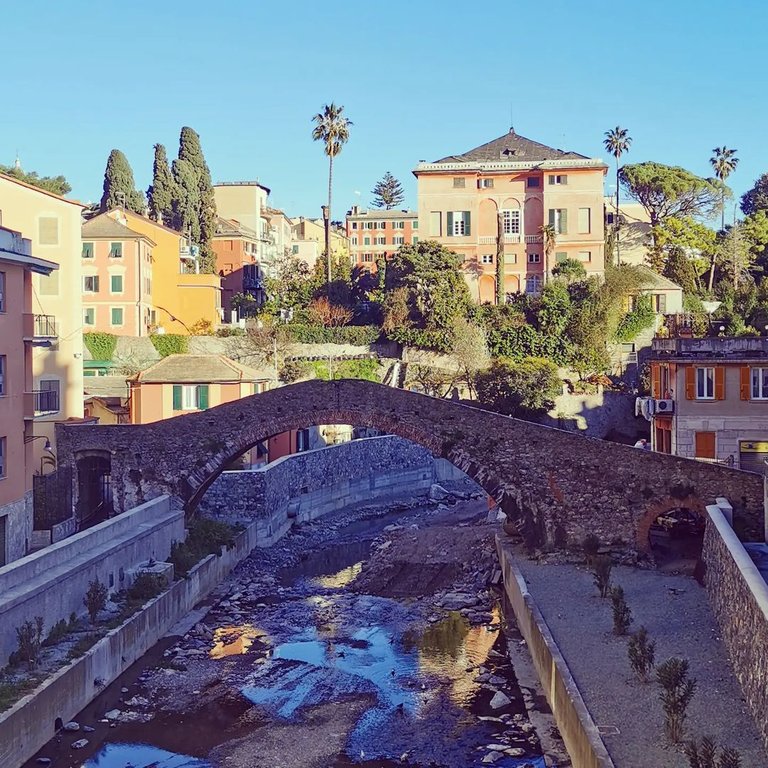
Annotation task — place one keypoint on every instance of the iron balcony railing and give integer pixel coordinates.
(45, 401)
(40, 328)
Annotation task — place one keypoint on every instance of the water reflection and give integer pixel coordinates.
(141, 756)
(339, 579)
(234, 641)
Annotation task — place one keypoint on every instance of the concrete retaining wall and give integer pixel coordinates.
(29, 724)
(52, 582)
(739, 598)
(581, 737)
(307, 485)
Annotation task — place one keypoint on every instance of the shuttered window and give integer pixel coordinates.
(435, 222)
(558, 220)
(458, 224)
(190, 397)
(704, 445)
(759, 388)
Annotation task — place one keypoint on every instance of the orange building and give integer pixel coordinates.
(237, 250)
(180, 384)
(20, 331)
(378, 234)
(519, 186)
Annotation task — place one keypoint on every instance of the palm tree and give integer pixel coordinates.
(723, 162)
(549, 236)
(617, 142)
(332, 128)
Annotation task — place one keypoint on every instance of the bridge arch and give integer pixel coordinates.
(556, 485)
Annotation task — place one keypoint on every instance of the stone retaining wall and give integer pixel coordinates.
(739, 598)
(30, 723)
(307, 485)
(579, 732)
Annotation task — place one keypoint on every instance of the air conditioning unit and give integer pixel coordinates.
(665, 406)
(631, 358)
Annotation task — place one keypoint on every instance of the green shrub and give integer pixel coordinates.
(622, 615)
(439, 340)
(12, 691)
(169, 344)
(293, 370)
(602, 574)
(60, 630)
(100, 345)
(677, 690)
(205, 537)
(358, 335)
(642, 654)
(30, 639)
(636, 321)
(95, 599)
(146, 586)
(82, 645)
(348, 369)
(230, 331)
(590, 546)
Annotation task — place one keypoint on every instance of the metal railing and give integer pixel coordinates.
(489, 239)
(45, 326)
(45, 401)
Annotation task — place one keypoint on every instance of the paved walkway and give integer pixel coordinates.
(676, 613)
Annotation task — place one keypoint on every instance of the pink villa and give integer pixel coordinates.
(117, 278)
(20, 330)
(528, 184)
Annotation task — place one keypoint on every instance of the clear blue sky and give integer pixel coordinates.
(419, 79)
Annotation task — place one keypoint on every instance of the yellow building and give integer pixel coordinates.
(182, 297)
(313, 230)
(52, 223)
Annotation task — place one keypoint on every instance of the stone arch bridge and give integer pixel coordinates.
(557, 485)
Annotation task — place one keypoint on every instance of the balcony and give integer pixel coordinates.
(529, 239)
(491, 239)
(712, 347)
(43, 402)
(41, 330)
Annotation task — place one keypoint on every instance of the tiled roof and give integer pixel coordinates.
(14, 180)
(653, 279)
(511, 148)
(105, 226)
(232, 228)
(383, 214)
(204, 369)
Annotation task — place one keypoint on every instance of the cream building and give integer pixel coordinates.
(53, 224)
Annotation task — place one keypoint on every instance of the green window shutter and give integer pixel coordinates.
(177, 397)
(449, 229)
(117, 283)
(551, 217)
(465, 215)
(202, 397)
(563, 221)
(561, 256)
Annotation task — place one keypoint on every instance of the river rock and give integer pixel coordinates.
(43, 760)
(500, 700)
(113, 714)
(438, 493)
(72, 726)
(492, 757)
(88, 729)
(80, 744)
(515, 752)
(455, 601)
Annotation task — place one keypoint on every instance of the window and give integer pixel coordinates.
(485, 183)
(116, 284)
(259, 387)
(705, 383)
(458, 182)
(2, 291)
(2, 374)
(534, 258)
(3, 454)
(558, 218)
(398, 225)
(369, 225)
(585, 221)
(414, 239)
(354, 241)
(558, 178)
(90, 283)
(48, 230)
(190, 397)
(458, 223)
(379, 240)
(511, 221)
(116, 317)
(704, 445)
(659, 302)
(382, 225)
(487, 258)
(367, 257)
(584, 255)
(560, 256)
(435, 224)
(294, 249)
(89, 316)
(533, 284)
(302, 440)
(609, 218)
(366, 241)
(115, 250)
(414, 225)
(398, 240)
(759, 383)
(50, 400)
(533, 181)
(87, 250)
(354, 225)
(49, 284)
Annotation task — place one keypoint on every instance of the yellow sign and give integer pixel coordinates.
(753, 447)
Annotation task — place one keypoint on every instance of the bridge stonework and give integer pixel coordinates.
(557, 485)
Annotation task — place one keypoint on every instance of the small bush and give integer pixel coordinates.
(11, 692)
(169, 344)
(227, 331)
(677, 690)
(95, 599)
(82, 645)
(146, 586)
(642, 654)
(602, 574)
(101, 345)
(30, 639)
(205, 537)
(348, 369)
(293, 370)
(704, 755)
(60, 630)
(590, 546)
(622, 615)
(357, 335)
(202, 328)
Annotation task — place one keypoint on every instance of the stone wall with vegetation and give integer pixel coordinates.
(739, 598)
(556, 485)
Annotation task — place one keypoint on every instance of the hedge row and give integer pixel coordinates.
(359, 335)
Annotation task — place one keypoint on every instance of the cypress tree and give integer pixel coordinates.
(191, 153)
(119, 186)
(186, 201)
(160, 193)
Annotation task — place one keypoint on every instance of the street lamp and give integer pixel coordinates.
(51, 458)
(327, 223)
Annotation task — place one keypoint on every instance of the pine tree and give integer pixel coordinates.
(119, 186)
(191, 153)
(160, 193)
(388, 193)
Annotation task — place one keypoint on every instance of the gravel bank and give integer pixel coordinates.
(676, 613)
